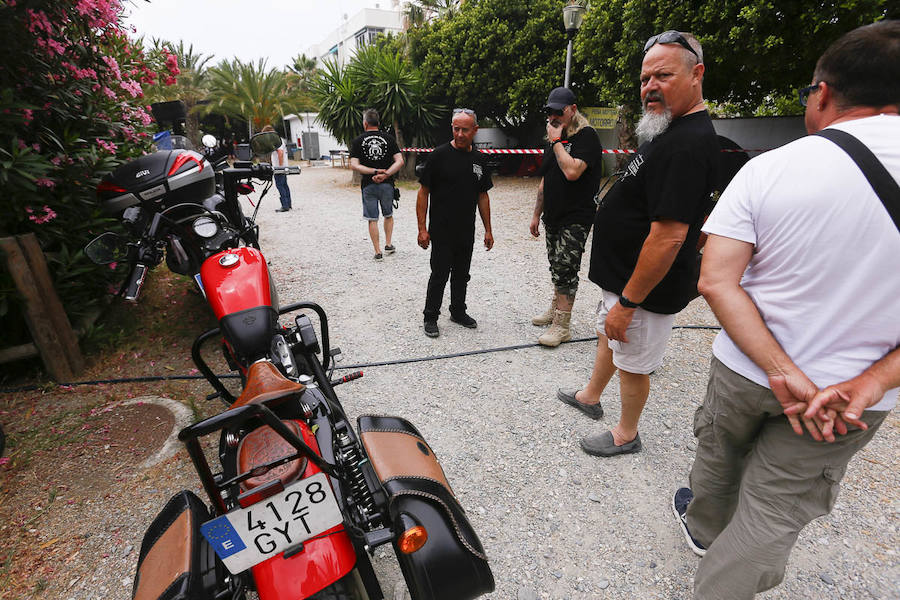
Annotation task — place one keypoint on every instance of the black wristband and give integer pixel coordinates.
(626, 302)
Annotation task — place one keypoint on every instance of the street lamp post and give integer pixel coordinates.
(573, 15)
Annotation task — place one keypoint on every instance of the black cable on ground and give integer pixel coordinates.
(401, 361)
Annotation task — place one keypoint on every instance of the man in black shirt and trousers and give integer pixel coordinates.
(456, 180)
(644, 253)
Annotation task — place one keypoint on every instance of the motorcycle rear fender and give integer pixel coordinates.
(176, 562)
(452, 564)
(322, 561)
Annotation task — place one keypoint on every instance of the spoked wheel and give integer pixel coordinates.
(349, 587)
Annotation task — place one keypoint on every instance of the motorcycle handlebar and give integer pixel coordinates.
(135, 282)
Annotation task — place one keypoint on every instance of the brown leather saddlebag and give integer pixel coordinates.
(176, 562)
(452, 564)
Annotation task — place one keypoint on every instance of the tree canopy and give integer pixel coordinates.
(756, 52)
(502, 57)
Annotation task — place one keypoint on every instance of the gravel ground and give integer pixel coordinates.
(555, 522)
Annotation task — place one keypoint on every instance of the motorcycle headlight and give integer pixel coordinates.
(205, 227)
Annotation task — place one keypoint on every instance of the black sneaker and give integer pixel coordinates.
(464, 320)
(431, 328)
(379, 256)
(389, 249)
(283, 209)
(680, 502)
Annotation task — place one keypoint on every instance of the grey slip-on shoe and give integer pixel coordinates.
(603, 444)
(594, 411)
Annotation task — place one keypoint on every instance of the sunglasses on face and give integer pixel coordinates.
(803, 93)
(670, 37)
(553, 112)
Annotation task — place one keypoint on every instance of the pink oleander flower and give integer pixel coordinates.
(56, 46)
(169, 80)
(113, 265)
(48, 215)
(132, 87)
(36, 147)
(109, 93)
(45, 182)
(108, 146)
(28, 115)
(56, 161)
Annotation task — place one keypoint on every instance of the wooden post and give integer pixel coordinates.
(44, 314)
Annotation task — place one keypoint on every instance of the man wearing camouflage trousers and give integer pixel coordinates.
(565, 198)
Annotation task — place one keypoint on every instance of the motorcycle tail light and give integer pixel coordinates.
(412, 539)
(258, 494)
(109, 186)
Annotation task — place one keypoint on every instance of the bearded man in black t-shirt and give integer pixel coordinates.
(645, 236)
(569, 175)
(455, 180)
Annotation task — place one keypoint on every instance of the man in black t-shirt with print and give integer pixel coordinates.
(454, 181)
(377, 158)
(645, 236)
(565, 197)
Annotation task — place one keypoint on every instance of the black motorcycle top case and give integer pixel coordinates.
(452, 564)
(158, 181)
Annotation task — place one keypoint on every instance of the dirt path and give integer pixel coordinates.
(555, 522)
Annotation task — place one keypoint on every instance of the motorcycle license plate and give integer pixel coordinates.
(248, 536)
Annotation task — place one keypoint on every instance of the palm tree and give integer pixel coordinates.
(191, 84)
(417, 13)
(380, 79)
(252, 92)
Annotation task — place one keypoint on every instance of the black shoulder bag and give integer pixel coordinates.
(881, 181)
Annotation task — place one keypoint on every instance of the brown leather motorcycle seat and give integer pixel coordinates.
(263, 445)
(265, 382)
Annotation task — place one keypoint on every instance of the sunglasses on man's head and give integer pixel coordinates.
(465, 111)
(553, 112)
(670, 37)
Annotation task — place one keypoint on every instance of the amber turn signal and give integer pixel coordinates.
(412, 539)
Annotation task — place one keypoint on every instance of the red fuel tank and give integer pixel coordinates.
(236, 280)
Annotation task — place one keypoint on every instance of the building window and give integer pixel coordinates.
(373, 33)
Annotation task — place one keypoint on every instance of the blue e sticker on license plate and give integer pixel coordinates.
(248, 536)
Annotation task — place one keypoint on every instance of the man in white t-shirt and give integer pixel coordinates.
(279, 158)
(801, 271)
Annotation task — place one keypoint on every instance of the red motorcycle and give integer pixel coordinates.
(298, 497)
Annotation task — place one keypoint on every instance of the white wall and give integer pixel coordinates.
(344, 37)
(309, 122)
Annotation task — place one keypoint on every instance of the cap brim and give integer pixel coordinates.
(555, 105)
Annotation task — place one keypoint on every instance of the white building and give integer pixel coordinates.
(305, 131)
(357, 31)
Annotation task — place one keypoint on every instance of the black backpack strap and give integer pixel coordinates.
(881, 181)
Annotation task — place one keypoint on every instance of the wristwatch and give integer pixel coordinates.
(556, 141)
(626, 302)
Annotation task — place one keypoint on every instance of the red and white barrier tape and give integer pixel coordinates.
(538, 151)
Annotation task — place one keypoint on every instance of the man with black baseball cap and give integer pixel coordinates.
(565, 197)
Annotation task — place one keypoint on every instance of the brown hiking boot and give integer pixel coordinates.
(559, 331)
(546, 317)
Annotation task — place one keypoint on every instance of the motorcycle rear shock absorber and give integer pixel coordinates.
(359, 489)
